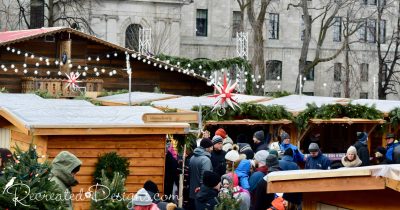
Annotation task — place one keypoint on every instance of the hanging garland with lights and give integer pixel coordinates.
(336, 111)
(207, 67)
(247, 111)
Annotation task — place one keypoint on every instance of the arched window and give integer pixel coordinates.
(132, 37)
(274, 70)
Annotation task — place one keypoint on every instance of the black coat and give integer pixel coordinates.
(261, 146)
(362, 152)
(262, 198)
(206, 198)
(218, 162)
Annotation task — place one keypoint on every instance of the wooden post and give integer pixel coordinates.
(181, 178)
(65, 53)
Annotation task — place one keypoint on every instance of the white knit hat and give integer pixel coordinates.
(232, 155)
(261, 156)
(142, 198)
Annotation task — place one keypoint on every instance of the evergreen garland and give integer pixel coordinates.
(111, 196)
(111, 162)
(227, 201)
(209, 66)
(247, 111)
(336, 111)
(32, 183)
(394, 117)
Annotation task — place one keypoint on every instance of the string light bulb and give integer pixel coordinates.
(37, 64)
(115, 54)
(8, 48)
(114, 71)
(48, 72)
(84, 74)
(18, 52)
(103, 70)
(32, 56)
(40, 58)
(25, 71)
(108, 56)
(12, 66)
(56, 62)
(97, 59)
(16, 70)
(35, 72)
(97, 73)
(89, 58)
(26, 54)
(59, 73)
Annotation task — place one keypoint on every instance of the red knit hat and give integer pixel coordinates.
(277, 203)
(221, 132)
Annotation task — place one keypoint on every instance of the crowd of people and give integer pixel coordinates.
(219, 168)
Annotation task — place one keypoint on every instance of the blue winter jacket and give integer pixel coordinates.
(287, 163)
(243, 172)
(298, 157)
(389, 151)
(319, 162)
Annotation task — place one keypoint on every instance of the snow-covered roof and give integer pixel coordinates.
(297, 103)
(187, 102)
(136, 97)
(384, 106)
(32, 111)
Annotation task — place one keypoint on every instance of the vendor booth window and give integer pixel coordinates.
(201, 22)
(274, 70)
(132, 36)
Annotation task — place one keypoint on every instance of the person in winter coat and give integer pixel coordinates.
(206, 198)
(154, 194)
(5, 158)
(246, 149)
(143, 201)
(260, 159)
(226, 140)
(259, 141)
(362, 148)
(298, 157)
(390, 145)
(262, 199)
(317, 160)
(287, 163)
(396, 155)
(228, 186)
(199, 163)
(380, 156)
(64, 168)
(218, 156)
(243, 173)
(171, 172)
(351, 159)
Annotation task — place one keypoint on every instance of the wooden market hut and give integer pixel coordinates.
(38, 59)
(88, 131)
(137, 98)
(360, 188)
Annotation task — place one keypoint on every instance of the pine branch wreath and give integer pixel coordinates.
(111, 162)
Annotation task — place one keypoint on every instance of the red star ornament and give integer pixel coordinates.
(225, 95)
(72, 80)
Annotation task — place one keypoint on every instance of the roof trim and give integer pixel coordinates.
(249, 122)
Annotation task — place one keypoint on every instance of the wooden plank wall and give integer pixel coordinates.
(357, 200)
(22, 141)
(146, 154)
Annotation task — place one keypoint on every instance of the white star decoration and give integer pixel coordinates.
(224, 96)
(72, 81)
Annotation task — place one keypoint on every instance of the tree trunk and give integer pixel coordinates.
(51, 13)
(347, 72)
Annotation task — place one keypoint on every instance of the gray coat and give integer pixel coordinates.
(199, 162)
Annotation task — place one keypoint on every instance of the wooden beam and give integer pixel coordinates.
(347, 120)
(301, 137)
(393, 184)
(108, 131)
(327, 184)
(307, 174)
(249, 122)
(14, 120)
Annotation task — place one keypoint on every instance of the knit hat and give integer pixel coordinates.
(142, 198)
(273, 152)
(362, 137)
(271, 161)
(217, 139)
(232, 155)
(210, 179)
(261, 156)
(259, 135)
(206, 143)
(277, 203)
(288, 152)
(221, 132)
(151, 186)
(352, 150)
(245, 148)
(284, 136)
(241, 138)
(313, 147)
(227, 144)
(390, 136)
